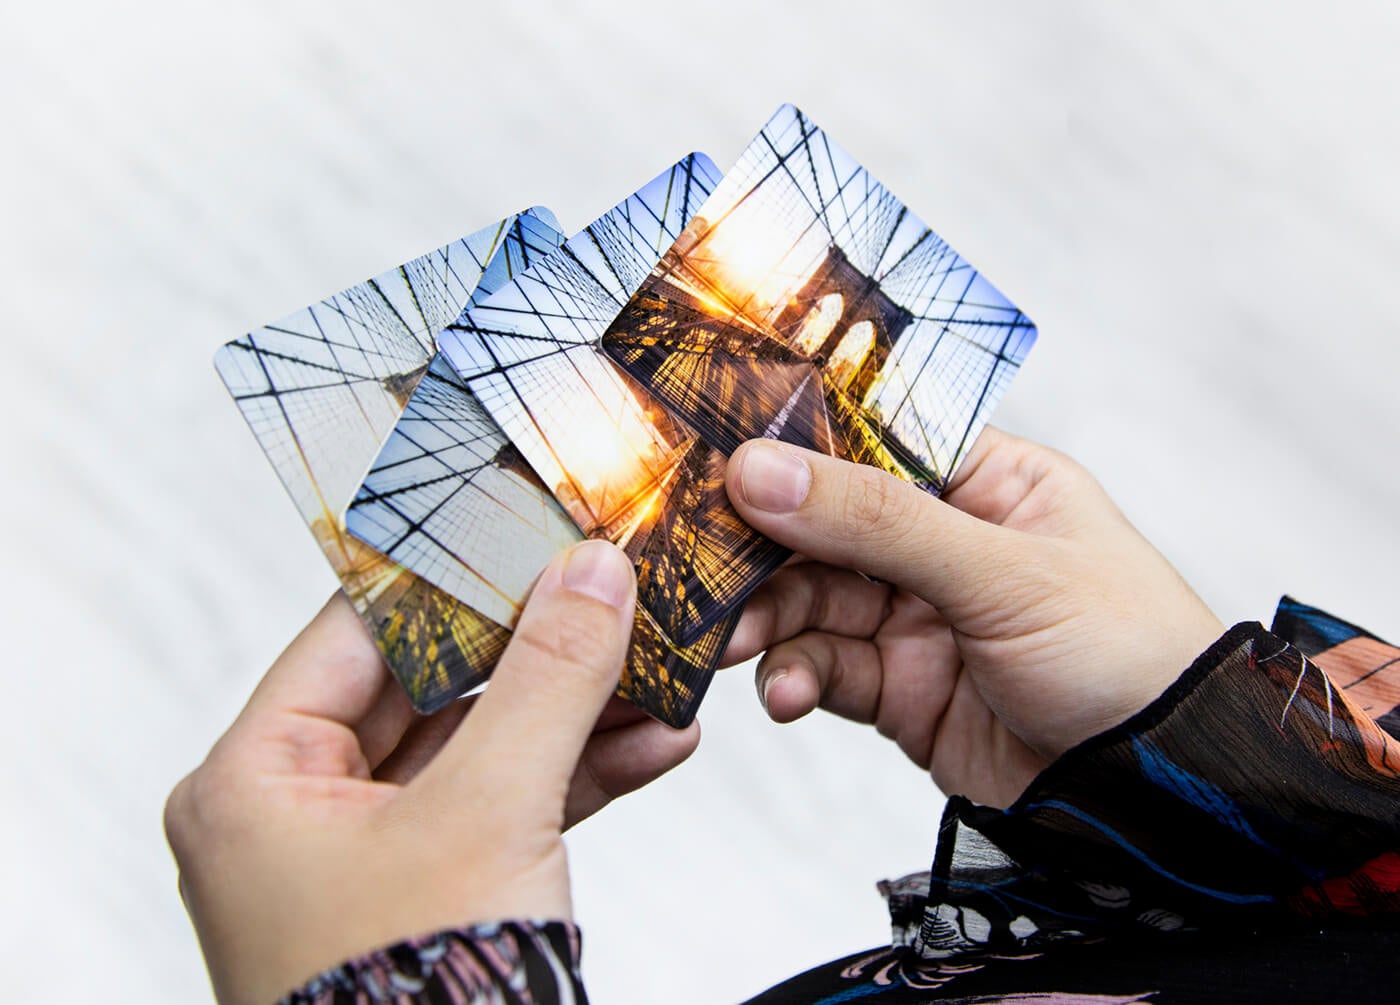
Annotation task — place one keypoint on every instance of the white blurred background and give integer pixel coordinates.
(1196, 202)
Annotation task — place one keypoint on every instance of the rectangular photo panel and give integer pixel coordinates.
(529, 355)
(321, 389)
(804, 302)
(454, 499)
(612, 454)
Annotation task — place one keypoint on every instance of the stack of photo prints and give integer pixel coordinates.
(450, 426)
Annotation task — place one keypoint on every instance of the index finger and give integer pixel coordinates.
(331, 670)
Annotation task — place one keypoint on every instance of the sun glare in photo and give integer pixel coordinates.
(597, 456)
(610, 451)
(753, 258)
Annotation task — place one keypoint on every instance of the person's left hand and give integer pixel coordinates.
(328, 821)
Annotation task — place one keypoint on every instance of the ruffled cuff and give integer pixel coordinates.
(1254, 790)
(529, 962)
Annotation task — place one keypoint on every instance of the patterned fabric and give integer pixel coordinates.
(1363, 666)
(1237, 840)
(1343, 964)
(1251, 787)
(522, 962)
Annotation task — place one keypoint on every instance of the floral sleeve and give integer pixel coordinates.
(520, 962)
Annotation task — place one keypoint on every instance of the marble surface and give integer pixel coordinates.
(1196, 202)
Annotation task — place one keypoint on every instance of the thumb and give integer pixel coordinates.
(526, 733)
(859, 517)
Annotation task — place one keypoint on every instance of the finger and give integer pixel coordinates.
(333, 670)
(858, 517)
(622, 760)
(388, 722)
(528, 729)
(427, 735)
(840, 674)
(1025, 486)
(421, 742)
(997, 479)
(988, 442)
(619, 712)
(788, 691)
(810, 595)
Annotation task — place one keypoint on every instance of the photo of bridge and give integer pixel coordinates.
(793, 298)
(467, 493)
(323, 388)
(805, 303)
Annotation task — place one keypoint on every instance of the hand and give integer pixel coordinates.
(329, 821)
(1017, 616)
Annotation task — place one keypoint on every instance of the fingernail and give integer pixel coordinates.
(773, 479)
(767, 686)
(599, 570)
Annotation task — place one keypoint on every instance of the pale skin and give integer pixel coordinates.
(329, 820)
(1014, 618)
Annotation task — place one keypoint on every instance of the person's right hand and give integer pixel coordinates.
(1015, 617)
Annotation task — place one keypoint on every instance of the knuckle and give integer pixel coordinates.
(763, 609)
(885, 725)
(1058, 460)
(817, 596)
(803, 600)
(177, 817)
(199, 809)
(188, 812)
(605, 787)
